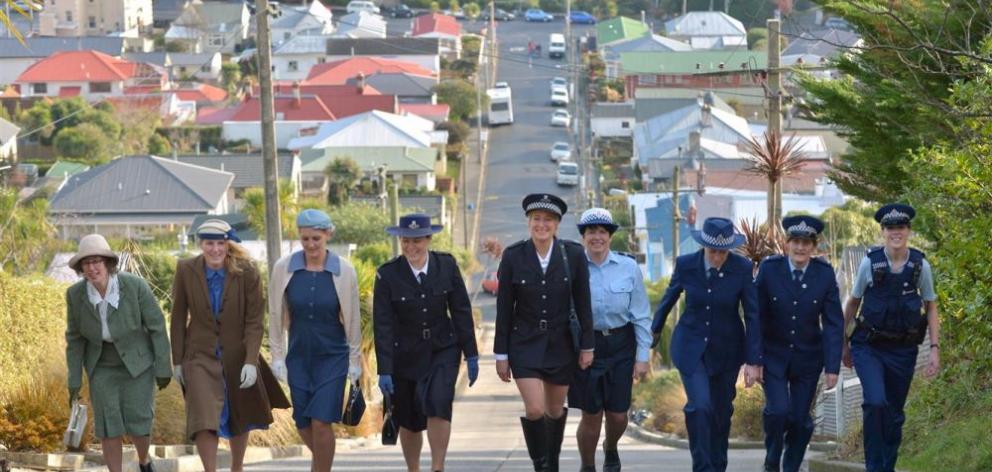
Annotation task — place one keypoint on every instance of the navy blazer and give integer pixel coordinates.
(802, 323)
(710, 327)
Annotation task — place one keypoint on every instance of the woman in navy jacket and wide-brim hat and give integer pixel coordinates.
(710, 343)
(422, 317)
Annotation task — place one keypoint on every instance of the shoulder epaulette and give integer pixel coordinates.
(627, 254)
(516, 244)
(821, 260)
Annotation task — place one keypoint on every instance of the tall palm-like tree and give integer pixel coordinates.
(775, 159)
(760, 241)
(25, 8)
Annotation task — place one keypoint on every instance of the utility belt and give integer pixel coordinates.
(543, 324)
(883, 338)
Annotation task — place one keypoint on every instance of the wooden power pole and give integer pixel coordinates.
(774, 113)
(273, 226)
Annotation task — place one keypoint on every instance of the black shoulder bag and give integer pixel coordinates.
(389, 430)
(354, 409)
(574, 328)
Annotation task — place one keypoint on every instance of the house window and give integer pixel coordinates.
(182, 69)
(287, 35)
(293, 66)
(205, 69)
(217, 41)
(92, 22)
(409, 181)
(625, 124)
(321, 60)
(39, 88)
(68, 16)
(99, 87)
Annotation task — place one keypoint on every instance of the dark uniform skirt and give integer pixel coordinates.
(607, 383)
(429, 397)
(560, 360)
(121, 404)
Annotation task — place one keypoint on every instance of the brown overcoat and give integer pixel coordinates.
(195, 337)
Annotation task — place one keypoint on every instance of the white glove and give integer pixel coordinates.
(279, 370)
(354, 373)
(249, 374)
(177, 373)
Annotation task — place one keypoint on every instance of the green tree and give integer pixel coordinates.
(453, 6)
(136, 137)
(85, 142)
(289, 207)
(893, 98)
(435, 7)
(472, 10)
(158, 145)
(38, 117)
(359, 223)
(342, 174)
(757, 34)
(230, 76)
(460, 96)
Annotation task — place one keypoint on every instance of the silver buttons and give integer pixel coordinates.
(707, 307)
(792, 346)
(706, 340)
(425, 310)
(795, 302)
(423, 296)
(543, 297)
(402, 299)
(544, 282)
(774, 299)
(720, 274)
(709, 290)
(792, 332)
(793, 316)
(707, 323)
(815, 302)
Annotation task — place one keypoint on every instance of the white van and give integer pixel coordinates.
(556, 45)
(568, 173)
(362, 5)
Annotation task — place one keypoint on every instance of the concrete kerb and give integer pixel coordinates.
(825, 465)
(640, 433)
(183, 458)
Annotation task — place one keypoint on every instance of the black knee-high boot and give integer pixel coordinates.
(556, 432)
(536, 437)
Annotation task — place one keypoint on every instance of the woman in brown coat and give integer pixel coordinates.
(217, 324)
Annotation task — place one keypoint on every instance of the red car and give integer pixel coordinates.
(490, 284)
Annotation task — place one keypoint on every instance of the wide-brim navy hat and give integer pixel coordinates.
(415, 225)
(895, 214)
(597, 217)
(545, 201)
(802, 226)
(718, 233)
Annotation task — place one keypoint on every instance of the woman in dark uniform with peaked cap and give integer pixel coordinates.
(423, 325)
(710, 343)
(541, 278)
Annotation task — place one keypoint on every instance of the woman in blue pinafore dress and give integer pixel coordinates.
(316, 292)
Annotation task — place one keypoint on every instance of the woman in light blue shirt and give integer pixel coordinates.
(622, 323)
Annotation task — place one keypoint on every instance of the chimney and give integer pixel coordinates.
(360, 82)
(296, 94)
(694, 145)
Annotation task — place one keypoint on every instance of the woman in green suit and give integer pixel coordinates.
(116, 332)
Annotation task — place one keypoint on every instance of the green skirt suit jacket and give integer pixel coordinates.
(122, 373)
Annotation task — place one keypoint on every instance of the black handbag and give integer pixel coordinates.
(574, 328)
(389, 431)
(354, 408)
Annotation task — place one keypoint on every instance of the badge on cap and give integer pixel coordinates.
(413, 225)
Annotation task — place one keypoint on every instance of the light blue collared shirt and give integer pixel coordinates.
(863, 279)
(298, 261)
(619, 297)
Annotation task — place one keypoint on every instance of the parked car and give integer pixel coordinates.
(490, 283)
(457, 14)
(579, 17)
(398, 11)
(362, 5)
(502, 85)
(560, 117)
(559, 82)
(568, 173)
(561, 151)
(501, 15)
(536, 14)
(559, 97)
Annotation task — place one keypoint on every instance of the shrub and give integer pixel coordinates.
(32, 312)
(663, 396)
(458, 131)
(374, 254)
(35, 413)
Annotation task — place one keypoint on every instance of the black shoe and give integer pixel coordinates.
(536, 437)
(612, 462)
(588, 468)
(772, 468)
(556, 432)
(146, 467)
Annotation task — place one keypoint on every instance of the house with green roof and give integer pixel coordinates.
(618, 29)
(703, 70)
(412, 167)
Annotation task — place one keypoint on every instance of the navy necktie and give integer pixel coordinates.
(797, 276)
(420, 277)
(712, 273)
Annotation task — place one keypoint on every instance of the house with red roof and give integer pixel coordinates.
(294, 112)
(89, 74)
(443, 27)
(341, 71)
(201, 94)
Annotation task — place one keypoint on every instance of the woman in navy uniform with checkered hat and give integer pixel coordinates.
(710, 343)
(540, 280)
(423, 325)
(898, 306)
(802, 328)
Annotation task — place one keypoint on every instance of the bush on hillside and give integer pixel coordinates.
(34, 413)
(32, 312)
